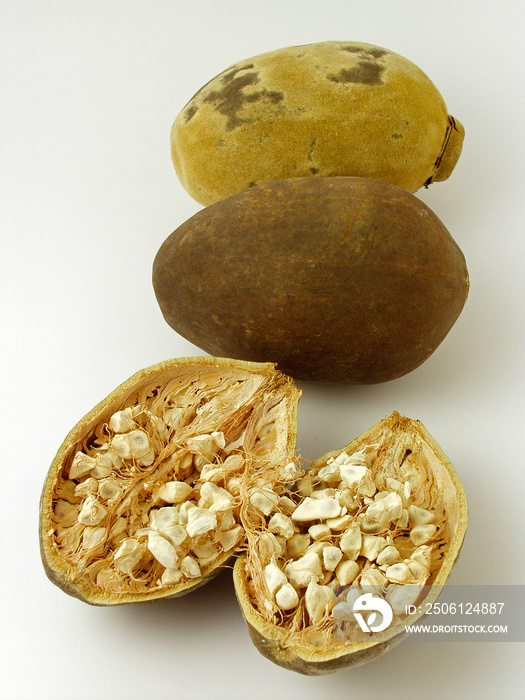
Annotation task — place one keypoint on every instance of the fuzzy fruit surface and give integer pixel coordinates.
(334, 279)
(327, 109)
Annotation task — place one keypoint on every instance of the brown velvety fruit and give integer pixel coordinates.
(335, 279)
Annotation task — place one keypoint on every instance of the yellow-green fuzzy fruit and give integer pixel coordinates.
(327, 109)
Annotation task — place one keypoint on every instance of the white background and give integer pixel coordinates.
(89, 91)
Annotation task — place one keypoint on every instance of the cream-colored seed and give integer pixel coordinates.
(312, 509)
(353, 474)
(385, 510)
(297, 545)
(423, 554)
(394, 484)
(173, 491)
(163, 551)
(263, 500)
(348, 499)
(229, 538)
(92, 513)
(205, 447)
(214, 497)
(319, 601)
(81, 465)
(134, 445)
(212, 472)
(86, 487)
(190, 567)
(173, 417)
(398, 573)
(331, 557)
(274, 578)
(421, 534)
(286, 505)
(109, 489)
(162, 518)
(128, 555)
(419, 516)
(307, 568)
(176, 534)
(233, 485)
(371, 545)
(371, 528)
(122, 421)
(305, 485)
(330, 474)
(320, 531)
(339, 524)
(65, 513)
(323, 493)
(318, 546)
(171, 576)
(200, 521)
(346, 572)
(268, 546)
(204, 550)
(184, 510)
(108, 459)
(418, 571)
(204, 561)
(403, 520)
(351, 541)
(373, 577)
(343, 612)
(286, 597)
(366, 486)
(281, 525)
(290, 473)
(100, 471)
(226, 519)
(388, 556)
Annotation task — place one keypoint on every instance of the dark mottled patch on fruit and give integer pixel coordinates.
(368, 70)
(252, 184)
(190, 112)
(397, 136)
(365, 73)
(231, 97)
(372, 51)
(314, 171)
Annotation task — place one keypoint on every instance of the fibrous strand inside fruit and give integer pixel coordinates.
(151, 497)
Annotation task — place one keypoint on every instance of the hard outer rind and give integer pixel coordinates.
(271, 643)
(333, 108)
(58, 571)
(333, 278)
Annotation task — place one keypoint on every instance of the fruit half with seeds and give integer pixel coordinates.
(387, 514)
(327, 109)
(143, 498)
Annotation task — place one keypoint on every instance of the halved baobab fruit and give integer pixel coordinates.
(384, 516)
(143, 498)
